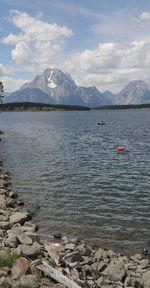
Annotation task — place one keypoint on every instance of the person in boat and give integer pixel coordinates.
(101, 123)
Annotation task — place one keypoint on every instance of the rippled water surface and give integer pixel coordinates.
(70, 166)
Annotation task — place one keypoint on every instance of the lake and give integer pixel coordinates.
(70, 166)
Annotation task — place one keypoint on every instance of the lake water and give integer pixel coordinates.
(70, 166)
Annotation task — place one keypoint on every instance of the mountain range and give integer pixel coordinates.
(56, 87)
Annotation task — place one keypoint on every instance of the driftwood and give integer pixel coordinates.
(57, 275)
(52, 253)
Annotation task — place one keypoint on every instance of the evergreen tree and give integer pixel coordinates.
(1, 91)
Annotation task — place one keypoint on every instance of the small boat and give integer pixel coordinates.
(101, 123)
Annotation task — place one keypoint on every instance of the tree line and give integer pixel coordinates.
(33, 106)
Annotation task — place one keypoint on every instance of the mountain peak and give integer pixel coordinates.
(58, 87)
(136, 92)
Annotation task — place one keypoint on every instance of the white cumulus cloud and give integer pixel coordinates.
(37, 42)
(111, 65)
(12, 84)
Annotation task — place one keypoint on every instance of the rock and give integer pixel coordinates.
(4, 225)
(70, 246)
(136, 257)
(12, 194)
(115, 271)
(33, 268)
(77, 257)
(30, 251)
(28, 281)
(19, 268)
(3, 218)
(110, 254)
(2, 212)
(46, 283)
(84, 249)
(17, 251)
(133, 282)
(57, 235)
(144, 264)
(30, 226)
(131, 266)
(99, 266)
(5, 282)
(2, 201)
(146, 279)
(145, 251)
(19, 217)
(20, 203)
(3, 273)
(10, 203)
(24, 239)
(11, 241)
(100, 281)
(33, 236)
(4, 253)
(100, 254)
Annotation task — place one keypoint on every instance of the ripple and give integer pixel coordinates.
(71, 167)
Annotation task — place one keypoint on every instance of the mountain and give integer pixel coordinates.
(55, 87)
(93, 98)
(29, 95)
(136, 92)
(109, 95)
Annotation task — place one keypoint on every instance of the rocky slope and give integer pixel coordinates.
(29, 95)
(55, 87)
(109, 95)
(136, 92)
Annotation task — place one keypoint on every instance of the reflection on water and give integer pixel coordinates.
(70, 166)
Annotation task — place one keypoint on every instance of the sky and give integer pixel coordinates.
(102, 43)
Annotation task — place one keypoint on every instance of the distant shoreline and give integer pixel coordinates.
(33, 106)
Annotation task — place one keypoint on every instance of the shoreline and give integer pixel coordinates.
(62, 262)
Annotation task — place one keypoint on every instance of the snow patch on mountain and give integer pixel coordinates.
(51, 83)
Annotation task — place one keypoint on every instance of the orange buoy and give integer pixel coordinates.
(121, 149)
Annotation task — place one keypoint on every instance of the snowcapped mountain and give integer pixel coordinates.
(55, 87)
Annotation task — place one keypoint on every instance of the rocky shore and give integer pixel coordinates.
(29, 262)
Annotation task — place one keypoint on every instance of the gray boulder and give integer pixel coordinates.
(115, 271)
(19, 217)
(146, 279)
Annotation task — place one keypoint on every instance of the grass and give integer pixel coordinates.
(8, 260)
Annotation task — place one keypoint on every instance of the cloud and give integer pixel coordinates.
(2, 70)
(78, 10)
(145, 16)
(21, 53)
(122, 26)
(38, 41)
(11, 84)
(111, 65)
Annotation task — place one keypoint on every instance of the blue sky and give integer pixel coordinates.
(102, 43)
